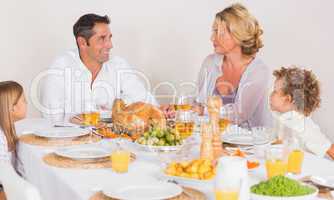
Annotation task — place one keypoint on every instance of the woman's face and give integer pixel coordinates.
(20, 109)
(222, 40)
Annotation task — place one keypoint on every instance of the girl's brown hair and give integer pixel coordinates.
(10, 93)
(303, 87)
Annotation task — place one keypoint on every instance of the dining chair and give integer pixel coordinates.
(15, 187)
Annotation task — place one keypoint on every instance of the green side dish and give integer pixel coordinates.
(281, 186)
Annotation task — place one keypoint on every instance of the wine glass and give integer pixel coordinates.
(184, 102)
(184, 123)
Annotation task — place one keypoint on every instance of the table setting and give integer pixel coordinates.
(194, 157)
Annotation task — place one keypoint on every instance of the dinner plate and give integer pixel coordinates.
(147, 191)
(84, 152)
(61, 132)
(158, 148)
(191, 181)
(240, 136)
(323, 181)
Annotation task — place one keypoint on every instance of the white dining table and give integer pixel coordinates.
(80, 184)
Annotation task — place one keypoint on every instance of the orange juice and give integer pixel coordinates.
(276, 167)
(91, 118)
(120, 161)
(184, 107)
(184, 129)
(295, 161)
(226, 195)
(223, 123)
(95, 118)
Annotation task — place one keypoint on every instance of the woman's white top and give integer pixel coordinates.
(251, 96)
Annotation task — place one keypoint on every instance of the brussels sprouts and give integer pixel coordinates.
(146, 135)
(170, 138)
(161, 143)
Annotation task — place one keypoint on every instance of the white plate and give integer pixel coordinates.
(61, 132)
(159, 148)
(240, 136)
(305, 197)
(83, 152)
(192, 181)
(152, 191)
(322, 181)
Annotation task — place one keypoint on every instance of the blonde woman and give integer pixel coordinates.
(234, 71)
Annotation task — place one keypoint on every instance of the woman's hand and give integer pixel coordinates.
(223, 86)
(168, 110)
(198, 108)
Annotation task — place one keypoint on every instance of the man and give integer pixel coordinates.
(89, 78)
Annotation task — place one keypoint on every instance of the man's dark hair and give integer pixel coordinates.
(85, 24)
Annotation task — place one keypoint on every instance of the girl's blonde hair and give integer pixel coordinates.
(10, 93)
(243, 27)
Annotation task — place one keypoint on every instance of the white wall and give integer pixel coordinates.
(167, 39)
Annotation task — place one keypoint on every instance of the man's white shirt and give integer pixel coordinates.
(67, 88)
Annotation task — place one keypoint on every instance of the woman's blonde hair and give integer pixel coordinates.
(10, 93)
(243, 27)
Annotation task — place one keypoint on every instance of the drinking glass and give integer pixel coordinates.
(296, 156)
(184, 123)
(276, 161)
(184, 102)
(120, 158)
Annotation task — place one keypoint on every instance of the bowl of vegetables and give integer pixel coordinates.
(160, 139)
(283, 188)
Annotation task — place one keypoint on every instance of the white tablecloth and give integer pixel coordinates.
(73, 184)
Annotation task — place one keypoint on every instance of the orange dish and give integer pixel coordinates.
(108, 133)
(250, 164)
(200, 169)
(239, 153)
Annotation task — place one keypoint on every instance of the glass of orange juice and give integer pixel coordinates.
(296, 156)
(228, 191)
(226, 195)
(120, 160)
(276, 161)
(91, 118)
(295, 161)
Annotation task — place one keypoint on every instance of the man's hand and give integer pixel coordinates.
(77, 119)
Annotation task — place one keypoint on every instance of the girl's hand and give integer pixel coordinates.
(330, 152)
